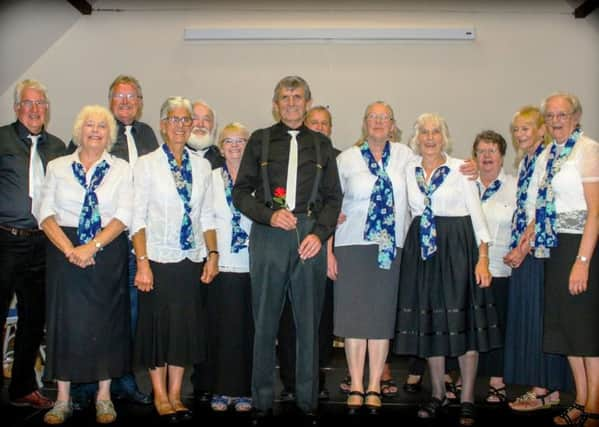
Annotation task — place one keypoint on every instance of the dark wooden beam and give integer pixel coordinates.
(585, 8)
(82, 6)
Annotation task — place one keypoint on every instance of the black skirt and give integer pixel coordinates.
(171, 324)
(228, 366)
(441, 310)
(87, 314)
(571, 322)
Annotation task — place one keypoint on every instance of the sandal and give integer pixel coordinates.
(105, 413)
(182, 411)
(220, 403)
(567, 419)
(452, 391)
(526, 402)
(496, 395)
(59, 413)
(389, 388)
(432, 408)
(467, 414)
(373, 401)
(587, 416)
(243, 404)
(355, 399)
(345, 385)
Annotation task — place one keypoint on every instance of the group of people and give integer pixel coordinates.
(134, 254)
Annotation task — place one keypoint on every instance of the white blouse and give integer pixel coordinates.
(357, 182)
(159, 209)
(582, 165)
(457, 196)
(498, 210)
(227, 261)
(62, 195)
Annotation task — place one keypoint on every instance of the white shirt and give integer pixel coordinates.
(582, 165)
(227, 261)
(498, 210)
(159, 209)
(357, 183)
(457, 196)
(62, 195)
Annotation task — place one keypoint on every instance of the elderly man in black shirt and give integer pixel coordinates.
(294, 213)
(25, 150)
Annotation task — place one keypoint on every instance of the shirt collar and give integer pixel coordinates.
(105, 156)
(23, 132)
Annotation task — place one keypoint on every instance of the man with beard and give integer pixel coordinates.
(203, 134)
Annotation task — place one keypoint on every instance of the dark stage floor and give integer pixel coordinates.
(400, 410)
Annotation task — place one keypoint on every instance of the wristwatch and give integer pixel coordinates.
(582, 259)
(97, 244)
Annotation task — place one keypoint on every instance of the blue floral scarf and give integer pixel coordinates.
(239, 236)
(545, 215)
(380, 220)
(519, 219)
(90, 221)
(428, 230)
(183, 182)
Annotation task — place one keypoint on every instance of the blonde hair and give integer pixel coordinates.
(394, 136)
(232, 127)
(532, 113)
(436, 119)
(89, 110)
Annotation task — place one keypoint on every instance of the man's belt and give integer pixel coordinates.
(21, 232)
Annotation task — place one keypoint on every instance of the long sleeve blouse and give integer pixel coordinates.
(62, 195)
(457, 196)
(158, 208)
(357, 183)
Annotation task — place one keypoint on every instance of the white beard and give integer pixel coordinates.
(200, 142)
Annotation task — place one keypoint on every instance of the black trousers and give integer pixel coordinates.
(22, 271)
(286, 341)
(276, 273)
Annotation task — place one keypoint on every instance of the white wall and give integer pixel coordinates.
(521, 53)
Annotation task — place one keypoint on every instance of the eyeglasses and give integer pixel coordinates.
(122, 96)
(234, 141)
(382, 117)
(174, 120)
(482, 151)
(556, 116)
(39, 103)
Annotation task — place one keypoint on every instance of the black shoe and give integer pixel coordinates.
(287, 396)
(134, 396)
(260, 417)
(310, 418)
(203, 397)
(185, 415)
(413, 388)
(324, 394)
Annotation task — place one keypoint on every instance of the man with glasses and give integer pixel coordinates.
(134, 139)
(289, 186)
(25, 150)
(203, 134)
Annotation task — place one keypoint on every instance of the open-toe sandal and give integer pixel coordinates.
(530, 401)
(452, 391)
(345, 385)
(564, 418)
(432, 408)
(389, 388)
(496, 395)
(467, 414)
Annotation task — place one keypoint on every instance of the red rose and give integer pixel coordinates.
(279, 192)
